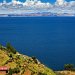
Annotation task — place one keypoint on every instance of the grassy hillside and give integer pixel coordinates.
(19, 64)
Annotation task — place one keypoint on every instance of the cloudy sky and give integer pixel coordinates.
(51, 1)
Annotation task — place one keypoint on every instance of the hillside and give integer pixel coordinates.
(65, 72)
(18, 64)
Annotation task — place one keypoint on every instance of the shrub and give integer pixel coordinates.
(34, 59)
(42, 73)
(0, 46)
(16, 70)
(10, 55)
(10, 48)
(10, 72)
(68, 66)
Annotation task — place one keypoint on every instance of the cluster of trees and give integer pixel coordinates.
(69, 67)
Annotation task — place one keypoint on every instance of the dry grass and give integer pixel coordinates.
(65, 73)
(11, 65)
(3, 57)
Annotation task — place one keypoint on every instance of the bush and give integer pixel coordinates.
(10, 48)
(16, 70)
(34, 59)
(42, 73)
(0, 46)
(10, 72)
(10, 55)
(69, 67)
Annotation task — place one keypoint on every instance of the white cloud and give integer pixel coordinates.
(60, 6)
(72, 3)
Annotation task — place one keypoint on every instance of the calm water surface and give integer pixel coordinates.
(50, 39)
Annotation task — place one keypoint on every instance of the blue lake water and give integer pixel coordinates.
(50, 39)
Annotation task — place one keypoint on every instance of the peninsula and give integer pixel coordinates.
(14, 63)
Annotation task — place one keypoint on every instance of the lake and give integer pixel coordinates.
(50, 39)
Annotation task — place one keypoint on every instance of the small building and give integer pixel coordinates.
(3, 70)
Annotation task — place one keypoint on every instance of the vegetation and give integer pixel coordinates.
(10, 72)
(69, 67)
(10, 48)
(21, 64)
(16, 70)
(65, 72)
(0, 46)
(34, 59)
(39, 73)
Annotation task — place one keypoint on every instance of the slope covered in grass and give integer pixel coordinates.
(21, 64)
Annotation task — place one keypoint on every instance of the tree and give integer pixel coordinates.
(34, 59)
(10, 72)
(0, 46)
(10, 48)
(69, 67)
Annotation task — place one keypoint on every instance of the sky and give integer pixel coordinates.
(51, 1)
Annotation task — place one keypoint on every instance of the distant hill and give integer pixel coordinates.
(14, 63)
